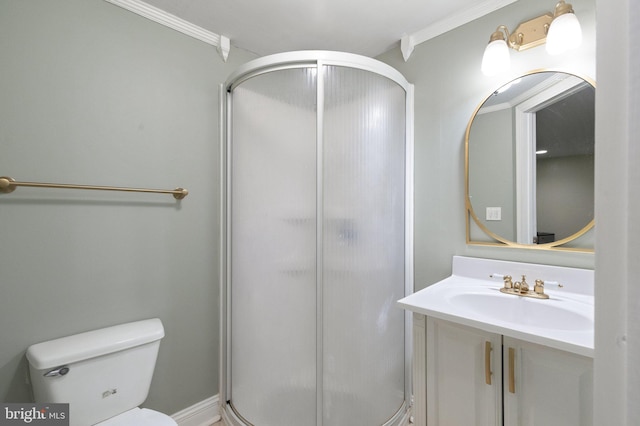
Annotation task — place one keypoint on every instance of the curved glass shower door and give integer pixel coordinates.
(273, 249)
(316, 247)
(363, 250)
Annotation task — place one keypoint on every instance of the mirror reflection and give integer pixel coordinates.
(530, 161)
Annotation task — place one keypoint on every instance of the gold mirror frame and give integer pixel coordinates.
(471, 215)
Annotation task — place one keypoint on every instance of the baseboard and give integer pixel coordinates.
(207, 412)
(203, 413)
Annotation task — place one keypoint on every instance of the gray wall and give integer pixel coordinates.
(492, 180)
(93, 94)
(449, 86)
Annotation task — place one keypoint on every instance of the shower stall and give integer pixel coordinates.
(317, 242)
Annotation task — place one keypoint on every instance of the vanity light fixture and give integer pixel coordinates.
(565, 32)
(560, 31)
(496, 55)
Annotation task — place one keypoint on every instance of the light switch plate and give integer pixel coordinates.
(494, 213)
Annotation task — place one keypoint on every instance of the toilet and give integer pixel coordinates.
(104, 375)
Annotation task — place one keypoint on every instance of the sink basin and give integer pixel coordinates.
(471, 297)
(549, 314)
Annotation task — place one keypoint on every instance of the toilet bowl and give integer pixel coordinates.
(104, 375)
(139, 417)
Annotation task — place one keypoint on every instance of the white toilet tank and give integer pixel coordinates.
(100, 373)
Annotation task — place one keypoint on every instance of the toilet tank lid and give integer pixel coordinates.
(91, 344)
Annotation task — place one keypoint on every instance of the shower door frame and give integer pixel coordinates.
(317, 60)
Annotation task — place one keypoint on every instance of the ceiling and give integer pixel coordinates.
(366, 27)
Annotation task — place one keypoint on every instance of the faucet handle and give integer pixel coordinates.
(553, 283)
(538, 289)
(506, 278)
(507, 281)
(524, 287)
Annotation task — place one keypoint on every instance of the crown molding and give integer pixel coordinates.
(409, 41)
(168, 20)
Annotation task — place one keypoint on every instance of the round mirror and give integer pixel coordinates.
(529, 163)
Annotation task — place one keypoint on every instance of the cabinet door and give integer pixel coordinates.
(546, 387)
(464, 375)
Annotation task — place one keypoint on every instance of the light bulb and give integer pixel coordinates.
(564, 34)
(496, 58)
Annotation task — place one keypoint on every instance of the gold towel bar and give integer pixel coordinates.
(8, 185)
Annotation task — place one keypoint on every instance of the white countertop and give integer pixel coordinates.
(470, 297)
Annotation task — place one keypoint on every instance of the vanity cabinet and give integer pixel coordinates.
(475, 377)
(464, 375)
(545, 386)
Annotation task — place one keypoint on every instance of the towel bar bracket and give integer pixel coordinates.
(6, 185)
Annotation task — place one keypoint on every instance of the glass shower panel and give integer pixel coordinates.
(363, 247)
(273, 248)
